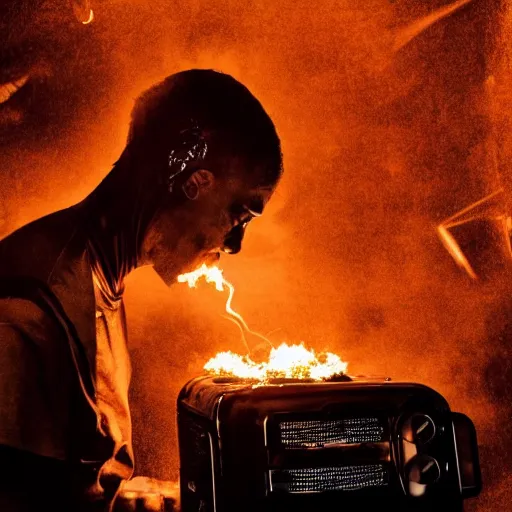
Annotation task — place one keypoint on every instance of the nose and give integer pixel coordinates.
(233, 241)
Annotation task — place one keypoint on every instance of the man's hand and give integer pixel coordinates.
(142, 494)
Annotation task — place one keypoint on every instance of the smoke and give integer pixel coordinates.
(381, 144)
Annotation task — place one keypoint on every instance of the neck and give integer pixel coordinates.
(117, 214)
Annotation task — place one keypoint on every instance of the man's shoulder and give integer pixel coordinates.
(34, 249)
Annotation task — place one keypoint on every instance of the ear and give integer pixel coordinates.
(198, 183)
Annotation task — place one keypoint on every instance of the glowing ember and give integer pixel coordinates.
(286, 361)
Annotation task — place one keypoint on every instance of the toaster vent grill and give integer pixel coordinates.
(322, 433)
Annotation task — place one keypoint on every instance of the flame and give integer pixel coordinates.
(285, 361)
(210, 274)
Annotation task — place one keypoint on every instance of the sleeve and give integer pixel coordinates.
(34, 388)
(30, 483)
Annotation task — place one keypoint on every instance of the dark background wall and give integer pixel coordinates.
(392, 115)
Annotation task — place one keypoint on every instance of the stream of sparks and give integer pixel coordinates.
(214, 275)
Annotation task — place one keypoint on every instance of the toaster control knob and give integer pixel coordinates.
(419, 429)
(423, 470)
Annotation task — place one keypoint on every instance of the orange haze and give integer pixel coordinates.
(389, 124)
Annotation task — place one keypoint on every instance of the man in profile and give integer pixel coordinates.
(202, 159)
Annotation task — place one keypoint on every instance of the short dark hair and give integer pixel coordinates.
(232, 121)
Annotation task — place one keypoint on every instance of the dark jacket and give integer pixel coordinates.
(47, 362)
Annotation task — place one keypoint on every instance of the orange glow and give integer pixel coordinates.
(286, 361)
(389, 125)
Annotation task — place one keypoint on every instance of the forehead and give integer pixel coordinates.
(253, 199)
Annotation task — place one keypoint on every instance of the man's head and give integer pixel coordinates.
(207, 145)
